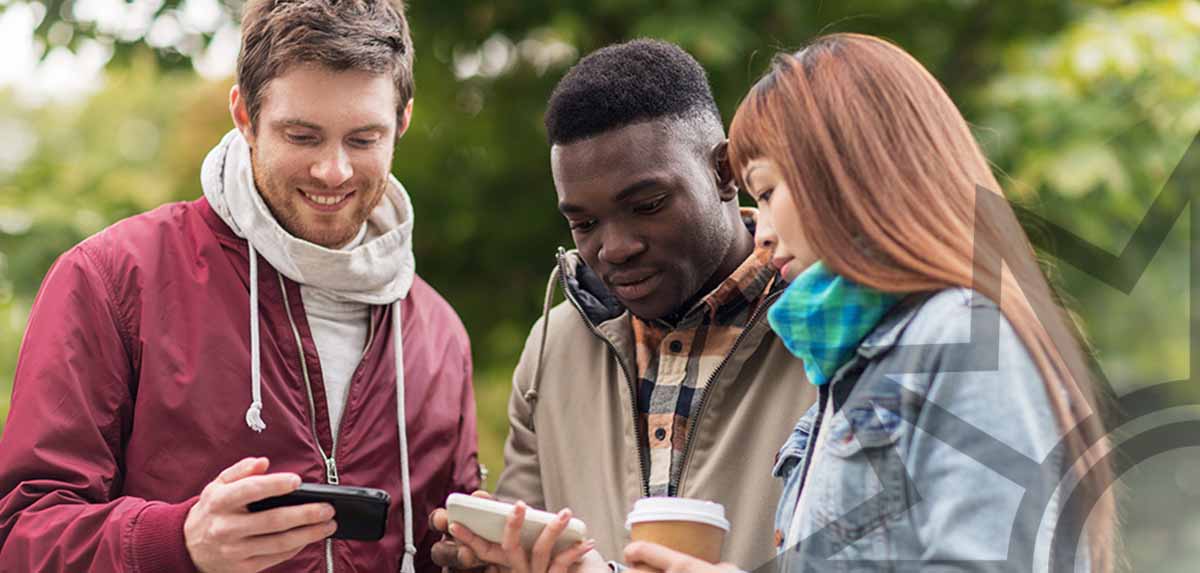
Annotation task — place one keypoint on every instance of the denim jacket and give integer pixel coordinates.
(943, 452)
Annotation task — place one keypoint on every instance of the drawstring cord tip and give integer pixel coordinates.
(406, 566)
(254, 417)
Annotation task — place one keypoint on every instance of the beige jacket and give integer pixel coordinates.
(575, 441)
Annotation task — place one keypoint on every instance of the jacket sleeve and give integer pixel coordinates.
(72, 407)
(522, 476)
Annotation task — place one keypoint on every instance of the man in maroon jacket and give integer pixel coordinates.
(277, 321)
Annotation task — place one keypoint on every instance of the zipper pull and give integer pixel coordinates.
(331, 475)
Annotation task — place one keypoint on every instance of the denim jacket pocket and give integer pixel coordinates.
(864, 425)
(863, 485)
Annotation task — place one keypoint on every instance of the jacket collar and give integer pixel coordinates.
(887, 333)
(585, 287)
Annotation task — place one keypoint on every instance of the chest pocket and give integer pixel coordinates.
(863, 486)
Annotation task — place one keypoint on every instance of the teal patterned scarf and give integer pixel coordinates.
(823, 317)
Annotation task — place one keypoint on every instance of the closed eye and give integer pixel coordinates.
(301, 139)
(363, 143)
(649, 207)
(583, 226)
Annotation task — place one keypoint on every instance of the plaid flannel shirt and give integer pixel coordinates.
(676, 363)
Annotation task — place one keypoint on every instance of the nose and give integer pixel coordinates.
(333, 167)
(764, 232)
(620, 246)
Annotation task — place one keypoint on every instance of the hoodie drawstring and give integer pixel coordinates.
(531, 394)
(254, 413)
(410, 549)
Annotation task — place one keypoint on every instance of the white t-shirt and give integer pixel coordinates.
(339, 330)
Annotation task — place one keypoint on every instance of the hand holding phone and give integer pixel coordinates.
(360, 512)
(521, 539)
(220, 535)
(486, 518)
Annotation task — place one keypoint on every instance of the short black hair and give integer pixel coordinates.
(628, 83)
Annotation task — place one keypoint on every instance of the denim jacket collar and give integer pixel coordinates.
(885, 335)
(797, 443)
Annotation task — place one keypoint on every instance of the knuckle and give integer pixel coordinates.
(220, 530)
(227, 552)
(285, 520)
(314, 514)
(466, 557)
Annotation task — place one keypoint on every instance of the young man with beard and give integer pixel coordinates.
(659, 375)
(277, 321)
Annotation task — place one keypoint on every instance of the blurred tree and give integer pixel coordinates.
(1089, 125)
(476, 159)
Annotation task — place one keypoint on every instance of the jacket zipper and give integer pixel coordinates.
(331, 474)
(637, 424)
(712, 380)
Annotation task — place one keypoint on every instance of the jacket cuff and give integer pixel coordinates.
(156, 541)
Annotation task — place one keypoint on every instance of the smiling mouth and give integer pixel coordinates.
(326, 202)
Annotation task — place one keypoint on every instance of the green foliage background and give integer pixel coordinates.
(1084, 106)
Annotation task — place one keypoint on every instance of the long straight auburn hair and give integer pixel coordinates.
(901, 199)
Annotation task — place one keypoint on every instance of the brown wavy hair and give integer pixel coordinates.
(877, 155)
(364, 35)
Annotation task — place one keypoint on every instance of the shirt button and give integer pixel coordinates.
(676, 346)
(660, 434)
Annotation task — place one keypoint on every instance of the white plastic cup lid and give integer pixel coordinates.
(677, 509)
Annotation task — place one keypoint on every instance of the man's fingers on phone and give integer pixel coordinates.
(453, 554)
(467, 558)
(286, 518)
(243, 468)
(439, 520)
(445, 554)
(482, 493)
(482, 549)
(292, 539)
(544, 546)
(254, 488)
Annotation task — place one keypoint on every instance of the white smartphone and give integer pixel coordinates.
(486, 518)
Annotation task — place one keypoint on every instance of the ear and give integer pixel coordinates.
(241, 116)
(723, 171)
(405, 119)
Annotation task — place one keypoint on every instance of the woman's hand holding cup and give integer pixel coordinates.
(647, 557)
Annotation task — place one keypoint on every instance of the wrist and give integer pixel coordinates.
(155, 539)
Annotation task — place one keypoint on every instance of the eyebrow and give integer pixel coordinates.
(294, 122)
(297, 122)
(637, 187)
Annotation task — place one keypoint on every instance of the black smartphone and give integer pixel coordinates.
(360, 512)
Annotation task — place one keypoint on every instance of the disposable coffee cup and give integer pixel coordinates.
(694, 527)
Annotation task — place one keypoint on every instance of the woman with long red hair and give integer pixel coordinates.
(958, 426)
